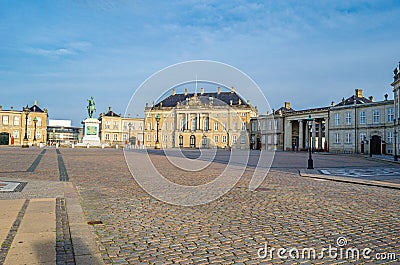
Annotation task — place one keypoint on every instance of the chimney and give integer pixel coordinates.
(230, 102)
(11, 108)
(359, 93)
(233, 90)
(248, 101)
(202, 91)
(109, 109)
(333, 103)
(129, 115)
(161, 104)
(1, 107)
(35, 103)
(386, 97)
(147, 104)
(343, 100)
(219, 90)
(287, 105)
(186, 91)
(174, 92)
(371, 98)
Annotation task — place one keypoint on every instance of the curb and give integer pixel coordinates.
(375, 183)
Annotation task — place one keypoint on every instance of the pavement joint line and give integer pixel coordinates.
(64, 248)
(36, 162)
(61, 167)
(5, 246)
(375, 183)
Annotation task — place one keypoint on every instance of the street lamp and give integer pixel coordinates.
(129, 135)
(26, 111)
(157, 146)
(395, 140)
(310, 160)
(35, 120)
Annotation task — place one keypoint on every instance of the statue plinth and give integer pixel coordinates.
(91, 132)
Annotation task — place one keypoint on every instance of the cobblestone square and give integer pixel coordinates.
(287, 211)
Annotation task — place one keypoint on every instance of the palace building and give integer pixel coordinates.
(205, 120)
(118, 130)
(12, 125)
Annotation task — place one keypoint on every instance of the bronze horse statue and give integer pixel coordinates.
(91, 107)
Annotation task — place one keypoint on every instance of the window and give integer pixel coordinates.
(172, 126)
(216, 115)
(115, 125)
(243, 126)
(234, 139)
(223, 126)
(242, 139)
(16, 120)
(165, 115)
(16, 134)
(125, 126)
(165, 138)
(149, 126)
(29, 134)
(363, 137)
(148, 138)
(216, 138)
(363, 119)
(235, 125)
(215, 126)
(224, 138)
(337, 119)
(243, 114)
(234, 114)
(270, 125)
(224, 114)
(275, 139)
(376, 116)
(348, 118)
(29, 121)
(5, 120)
(337, 138)
(194, 124)
(390, 137)
(107, 125)
(155, 137)
(390, 117)
(107, 136)
(39, 121)
(165, 127)
(180, 140)
(348, 138)
(182, 125)
(124, 137)
(38, 135)
(276, 125)
(206, 124)
(115, 137)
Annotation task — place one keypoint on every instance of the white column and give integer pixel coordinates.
(320, 135)
(307, 135)
(301, 134)
(288, 135)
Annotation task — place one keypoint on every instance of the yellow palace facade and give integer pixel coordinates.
(199, 120)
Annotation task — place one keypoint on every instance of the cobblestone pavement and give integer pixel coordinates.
(287, 211)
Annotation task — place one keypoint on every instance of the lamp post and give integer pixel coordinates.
(129, 135)
(26, 111)
(157, 146)
(35, 120)
(310, 160)
(395, 141)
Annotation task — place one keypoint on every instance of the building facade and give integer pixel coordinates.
(12, 125)
(361, 125)
(63, 133)
(118, 130)
(204, 120)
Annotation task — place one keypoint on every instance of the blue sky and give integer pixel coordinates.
(307, 52)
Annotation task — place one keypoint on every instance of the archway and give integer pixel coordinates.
(4, 138)
(376, 145)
